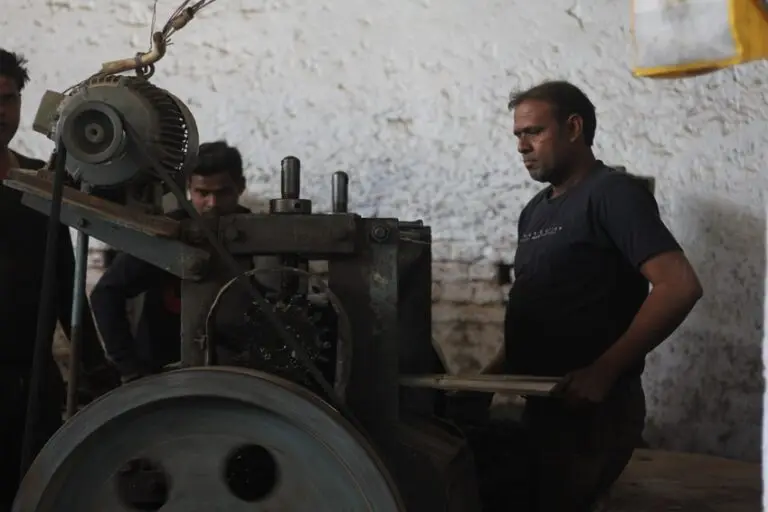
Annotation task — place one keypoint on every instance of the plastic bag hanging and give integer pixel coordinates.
(677, 38)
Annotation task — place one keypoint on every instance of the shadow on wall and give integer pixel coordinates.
(705, 385)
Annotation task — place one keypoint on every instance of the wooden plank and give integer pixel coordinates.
(40, 184)
(505, 384)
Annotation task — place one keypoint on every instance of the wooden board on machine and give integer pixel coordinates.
(505, 384)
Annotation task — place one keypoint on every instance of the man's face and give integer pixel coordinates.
(10, 110)
(541, 140)
(217, 194)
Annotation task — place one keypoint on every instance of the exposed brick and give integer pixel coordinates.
(468, 251)
(451, 312)
(449, 337)
(450, 271)
(458, 292)
(482, 271)
(442, 250)
(467, 347)
(437, 291)
(485, 339)
(485, 293)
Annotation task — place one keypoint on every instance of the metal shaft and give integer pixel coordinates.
(290, 178)
(76, 333)
(340, 192)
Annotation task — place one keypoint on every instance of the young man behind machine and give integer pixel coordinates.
(589, 244)
(215, 187)
(23, 234)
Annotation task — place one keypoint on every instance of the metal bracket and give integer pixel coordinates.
(151, 239)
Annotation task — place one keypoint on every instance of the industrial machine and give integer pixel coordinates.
(289, 391)
(288, 396)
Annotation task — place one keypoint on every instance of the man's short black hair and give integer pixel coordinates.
(567, 100)
(216, 157)
(14, 66)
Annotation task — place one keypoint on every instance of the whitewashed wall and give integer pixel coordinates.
(410, 98)
(765, 364)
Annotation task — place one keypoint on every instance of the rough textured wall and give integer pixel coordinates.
(765, 395)
(410, 96)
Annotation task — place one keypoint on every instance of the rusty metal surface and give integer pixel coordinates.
(367, 286)
(148, 237)
(368, 260)
(41, 186)
(315, 235)
(417, 354)
(186, 424)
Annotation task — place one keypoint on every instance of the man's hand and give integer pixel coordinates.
(586, 386)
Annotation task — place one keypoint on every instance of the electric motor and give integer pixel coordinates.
(112, 126)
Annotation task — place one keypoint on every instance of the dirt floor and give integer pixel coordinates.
(657, 481)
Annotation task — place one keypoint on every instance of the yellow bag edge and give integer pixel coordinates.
(735, 9)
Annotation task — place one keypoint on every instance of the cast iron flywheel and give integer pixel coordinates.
(208, 439)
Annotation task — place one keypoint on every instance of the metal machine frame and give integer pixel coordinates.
(378, 268)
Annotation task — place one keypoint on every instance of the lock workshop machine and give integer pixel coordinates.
(291, 390)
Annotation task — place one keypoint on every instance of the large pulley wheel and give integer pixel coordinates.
(208, 440)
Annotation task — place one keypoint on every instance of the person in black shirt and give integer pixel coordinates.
(22, 252)
(589, 245)
(215, 187)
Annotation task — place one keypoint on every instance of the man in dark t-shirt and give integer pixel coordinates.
(589, 245)
(215, 187)
(23, 234)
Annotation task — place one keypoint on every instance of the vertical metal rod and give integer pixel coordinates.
(290, 188)
(46, 318)
(76, 332)
(340, 192)
(290, 177)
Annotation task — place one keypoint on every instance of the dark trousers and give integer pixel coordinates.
(577, 454)
(14, 390)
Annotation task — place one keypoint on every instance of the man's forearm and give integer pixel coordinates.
(662, 312)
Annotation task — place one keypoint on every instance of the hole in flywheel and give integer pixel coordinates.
(142, 485)
(251, 472)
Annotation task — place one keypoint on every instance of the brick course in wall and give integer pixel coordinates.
(467, 313)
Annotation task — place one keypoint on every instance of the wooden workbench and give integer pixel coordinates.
(658, 481)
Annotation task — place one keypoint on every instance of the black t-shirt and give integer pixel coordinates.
(23, 235)
(578, 284)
